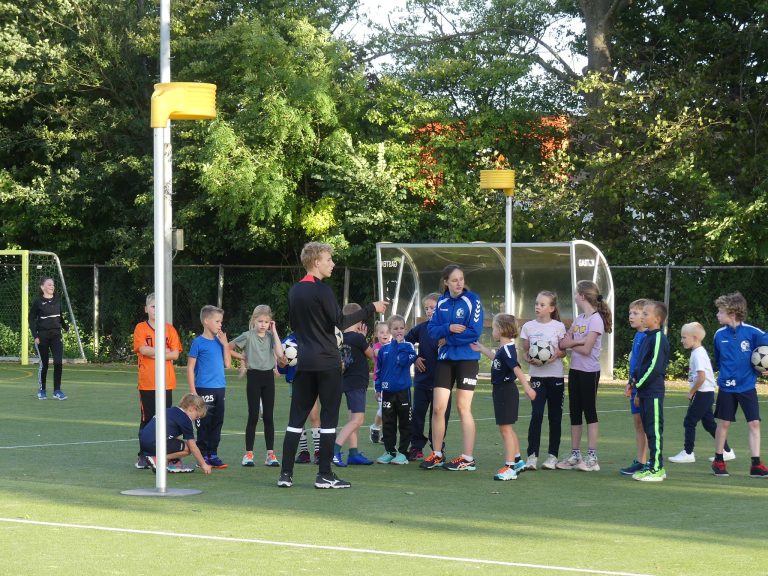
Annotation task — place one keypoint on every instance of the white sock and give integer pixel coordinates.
(467, 458)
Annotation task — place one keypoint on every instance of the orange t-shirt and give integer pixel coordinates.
(144, 335)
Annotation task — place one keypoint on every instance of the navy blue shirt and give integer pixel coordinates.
(177, 423)
(427, 350)
(652, 361)
(356, 375)
(504, 364)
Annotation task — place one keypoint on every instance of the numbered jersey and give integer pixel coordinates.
(733, 353)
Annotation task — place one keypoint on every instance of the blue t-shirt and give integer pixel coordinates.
(209, 368)
(504, 364)
(177, 423)
(634, 356)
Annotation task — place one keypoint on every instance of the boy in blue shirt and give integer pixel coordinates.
(736, 380)
(652, 361)
(424, 380)
(209, 355)
(180, 434)
(393, 380)
(636, 322)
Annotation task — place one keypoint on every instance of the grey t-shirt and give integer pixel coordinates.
(259, 350)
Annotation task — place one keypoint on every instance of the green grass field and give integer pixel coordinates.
(65, 463)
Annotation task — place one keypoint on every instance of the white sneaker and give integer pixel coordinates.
(683, 457)
(589, 464)
(530, 464)
(550, 463)
(727, 455)
(569, 463)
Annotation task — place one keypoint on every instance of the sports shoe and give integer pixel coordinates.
(550, 463)
(141, 463)
(505, 473)
(588, 464)
(59, 395)
(727, 455)
(41, 395)
(177, 467)
(151, 462)
(271, 459)
(758, 471)
(569, 463)
(632, 468)
(358, 459)
(461, 464)
(385, 458)
(285, 480)
(330, 481)
(415, 454)
(303, 457)
(400, 459)
(719, 469)
(531, 463)
(316, 459)
(648, 474)
(432, 461)
(248, 459)
(683, 457)
(215, 462)
(338, 460)
(375, 434)
(520, 466)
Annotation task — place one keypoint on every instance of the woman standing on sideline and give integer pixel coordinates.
(456, 323)
(46, 323)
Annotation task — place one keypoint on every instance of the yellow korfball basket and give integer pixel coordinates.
(182, 101)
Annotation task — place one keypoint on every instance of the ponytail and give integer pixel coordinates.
(591, 294)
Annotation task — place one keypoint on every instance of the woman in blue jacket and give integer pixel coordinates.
(456, 323)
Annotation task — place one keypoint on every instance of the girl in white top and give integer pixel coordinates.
(546, 377)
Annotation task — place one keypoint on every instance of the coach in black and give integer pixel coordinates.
(314, 315)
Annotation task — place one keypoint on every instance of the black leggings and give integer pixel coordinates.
(308, 386)
(260, 389)
(582, 396)
(50, 340)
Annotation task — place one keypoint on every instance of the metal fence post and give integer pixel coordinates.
(667, 291)
(96, 309)
(346, 285)
(220, 294)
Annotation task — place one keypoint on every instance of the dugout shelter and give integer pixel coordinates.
(408, 272)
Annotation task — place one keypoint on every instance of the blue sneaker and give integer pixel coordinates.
(338, 460)
(519, 466)
(632, 468)
(385, 458)
(41, 395)
(358, 460)
(59, 395)
(215, 462)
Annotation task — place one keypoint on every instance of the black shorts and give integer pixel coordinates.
(172, 446)
(727, 402)
(506, 403)
(463, 373)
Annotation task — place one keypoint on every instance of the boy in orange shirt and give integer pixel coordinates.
(144, 347)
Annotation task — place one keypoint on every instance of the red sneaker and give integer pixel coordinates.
(759, 471)
(718, 468)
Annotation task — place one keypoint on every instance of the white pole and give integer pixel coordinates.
(508, 304)
(161, 161)
(165, 77)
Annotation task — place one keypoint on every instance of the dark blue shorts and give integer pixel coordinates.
(727, 402)
(506, 403)
(172, 446)
(632, 408)
(356, 399)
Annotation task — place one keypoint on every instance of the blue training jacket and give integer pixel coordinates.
(427, 350)
(652, 361)
(733, 356)
(393, 366)
(466, 309)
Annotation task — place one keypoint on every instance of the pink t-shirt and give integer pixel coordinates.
(582, 326)
(551, 332)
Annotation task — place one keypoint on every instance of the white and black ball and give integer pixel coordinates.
(541, 351)
(291, 352)
(760, 358)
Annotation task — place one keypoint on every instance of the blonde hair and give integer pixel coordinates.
(207, 311)
(431, 296)
(552, 302)
(194, 401)
(376, 326)
(694, 329)
(394, 318)
(734, 303)
(507, 325)
(639, 303)
(150, 299)
(311, 253)
(350, 308)
(258, 312)
(591, 294)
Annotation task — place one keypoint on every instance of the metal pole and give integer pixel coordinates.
(96, 309)
(667, 290)
(508, 304)
(346, 285)
(165, 76)
(220, 288)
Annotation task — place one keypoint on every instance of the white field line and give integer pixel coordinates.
(320, 547)
(279, 432)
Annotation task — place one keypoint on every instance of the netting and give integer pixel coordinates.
(20, 275)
